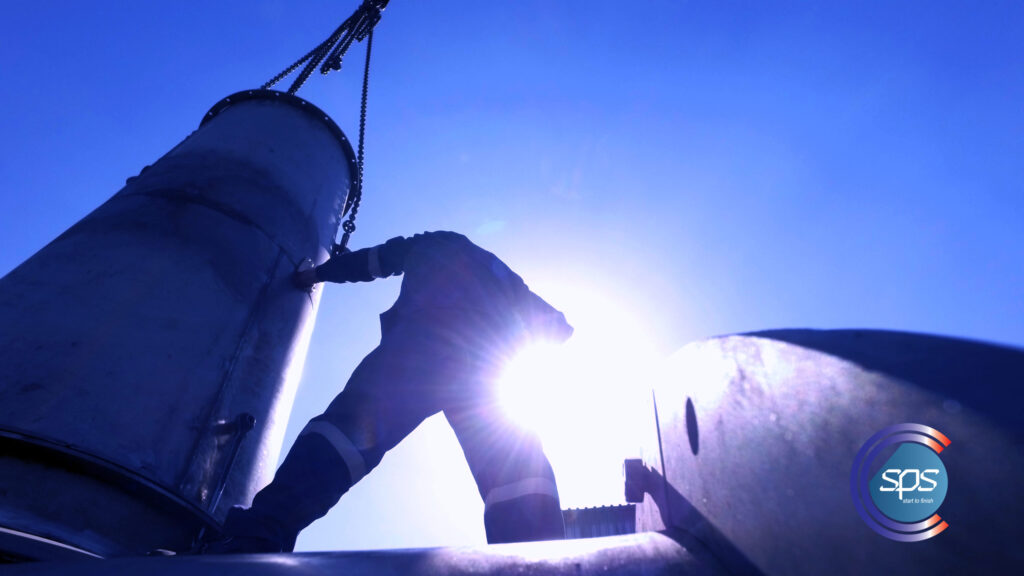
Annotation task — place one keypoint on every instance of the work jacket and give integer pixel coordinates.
(455, 285)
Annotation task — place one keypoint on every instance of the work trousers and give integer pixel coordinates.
(418, 369)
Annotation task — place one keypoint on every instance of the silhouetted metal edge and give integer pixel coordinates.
(18, 546)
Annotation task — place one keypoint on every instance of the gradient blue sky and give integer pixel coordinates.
(662, 171)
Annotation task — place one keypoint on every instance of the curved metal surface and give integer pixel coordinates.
(301, 104)
(781, 416)
(640, 554)
(45, 453)
(165, 313)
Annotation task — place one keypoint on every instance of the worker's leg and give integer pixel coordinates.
(391, 392)
(512, 473)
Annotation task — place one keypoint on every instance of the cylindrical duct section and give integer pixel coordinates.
(149, 356)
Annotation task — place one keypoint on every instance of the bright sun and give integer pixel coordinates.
(533, 385)
(587, 399)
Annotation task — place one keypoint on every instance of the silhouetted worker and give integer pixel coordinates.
(461, 313)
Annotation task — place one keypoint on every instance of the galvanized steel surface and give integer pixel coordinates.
(145, 333)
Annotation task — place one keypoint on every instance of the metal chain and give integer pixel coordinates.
(349, 226)
(295, 66)
(318, 55)
(356, 27)
(360, 29)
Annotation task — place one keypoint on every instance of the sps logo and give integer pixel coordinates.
(894, 483)
(899, 497)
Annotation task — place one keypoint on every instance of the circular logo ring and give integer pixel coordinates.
(860, 479)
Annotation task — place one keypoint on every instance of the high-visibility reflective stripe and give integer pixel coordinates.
(345, 448)
(524, 487)
(374, 262)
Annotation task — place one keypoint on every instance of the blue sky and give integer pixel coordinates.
(662, 171)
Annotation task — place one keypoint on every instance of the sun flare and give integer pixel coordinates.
(530, 387)
(587, 399)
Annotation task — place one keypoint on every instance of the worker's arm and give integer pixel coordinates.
(367, 264)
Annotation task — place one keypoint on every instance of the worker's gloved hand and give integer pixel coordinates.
(305, 275)
(346, 267)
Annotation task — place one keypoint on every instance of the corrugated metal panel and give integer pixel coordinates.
(600, 521)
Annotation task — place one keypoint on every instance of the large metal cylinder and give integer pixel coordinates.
(149, 356)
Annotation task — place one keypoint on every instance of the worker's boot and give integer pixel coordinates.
(309, 482)
(246, 531)
(524, 519)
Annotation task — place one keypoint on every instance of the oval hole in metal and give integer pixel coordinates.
(691, 427)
